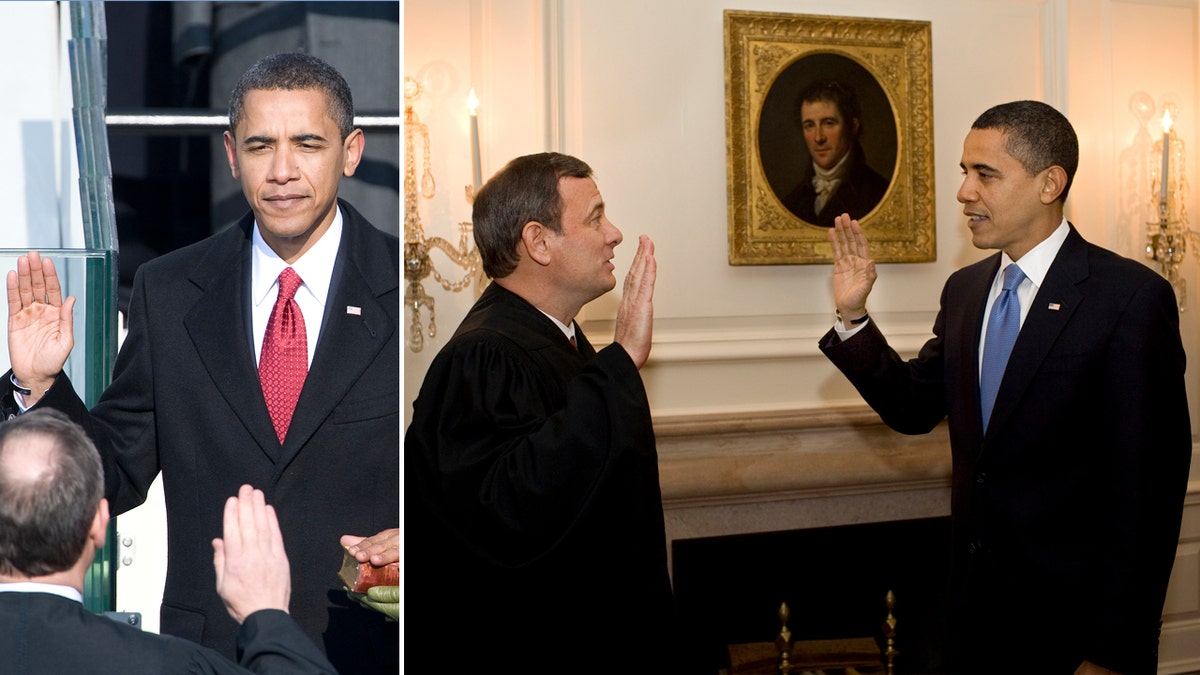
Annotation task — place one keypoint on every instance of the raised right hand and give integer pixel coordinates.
(635, 315)
(40, 324)
(853, 269)
(250, 561)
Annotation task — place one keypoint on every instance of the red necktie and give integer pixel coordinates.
(573, 343)
(284, 360)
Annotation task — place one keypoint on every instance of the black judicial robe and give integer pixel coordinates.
(534, 537)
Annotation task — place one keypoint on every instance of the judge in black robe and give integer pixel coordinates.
(534, 537)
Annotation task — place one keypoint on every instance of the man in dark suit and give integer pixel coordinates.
(197, 392)
(838, 180)
(533, 519)
(53, 519)
(1070, 463)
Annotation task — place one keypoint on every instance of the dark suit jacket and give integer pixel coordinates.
(44, 634)
(1066, 513)
(185, 400)
(857, 194)
(533, 517)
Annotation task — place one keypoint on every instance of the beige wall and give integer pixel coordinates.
(636, 88)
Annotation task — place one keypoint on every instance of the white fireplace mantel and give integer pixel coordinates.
(724, 474)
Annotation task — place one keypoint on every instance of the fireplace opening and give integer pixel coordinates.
(834, 579)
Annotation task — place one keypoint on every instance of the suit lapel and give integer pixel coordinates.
(1053, 306)
(355, 329)
(969, 331)
(218, 329)
(585, 347)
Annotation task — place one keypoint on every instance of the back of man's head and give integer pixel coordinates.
(295, 71)
(51, 483)
(525, 190)
(1036, 135)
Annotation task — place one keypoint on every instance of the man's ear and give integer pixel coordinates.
(231, 155)
(536, 238)
(99, 524)
(1053, 183)
(352, 149)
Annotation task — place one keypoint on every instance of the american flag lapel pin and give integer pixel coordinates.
(1054, 307)
(357, 311)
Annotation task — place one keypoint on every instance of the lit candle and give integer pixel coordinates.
(473, 109)
(1166, 154)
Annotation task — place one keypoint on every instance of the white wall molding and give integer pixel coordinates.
(714, 339)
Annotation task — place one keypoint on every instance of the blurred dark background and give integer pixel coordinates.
(172, 185)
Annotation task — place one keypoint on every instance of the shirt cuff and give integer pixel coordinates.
(844, 333)
(18, 393)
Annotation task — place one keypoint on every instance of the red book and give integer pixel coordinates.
(358, 577)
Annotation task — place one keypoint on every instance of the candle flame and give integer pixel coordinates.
(472, 103)
(1166, 121)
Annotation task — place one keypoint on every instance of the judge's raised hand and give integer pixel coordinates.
(635, 315)
(40, 324)
(853, 269)
(379, 550)
(251, 564)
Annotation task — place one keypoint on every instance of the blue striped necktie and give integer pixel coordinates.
(1003, 326)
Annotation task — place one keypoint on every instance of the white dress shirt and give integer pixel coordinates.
(568, 331)
(68, 592)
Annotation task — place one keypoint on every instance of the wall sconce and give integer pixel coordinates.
(1167, 237)
(417, 263)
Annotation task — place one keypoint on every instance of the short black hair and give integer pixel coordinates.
(1036, 135)
(292, 71)
(525, 190)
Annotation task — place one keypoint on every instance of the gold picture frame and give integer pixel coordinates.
(769, 59)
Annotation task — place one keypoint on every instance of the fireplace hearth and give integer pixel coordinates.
(834, 580)
(825, 510)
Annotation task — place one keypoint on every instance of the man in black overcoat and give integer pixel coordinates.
(188, 400)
